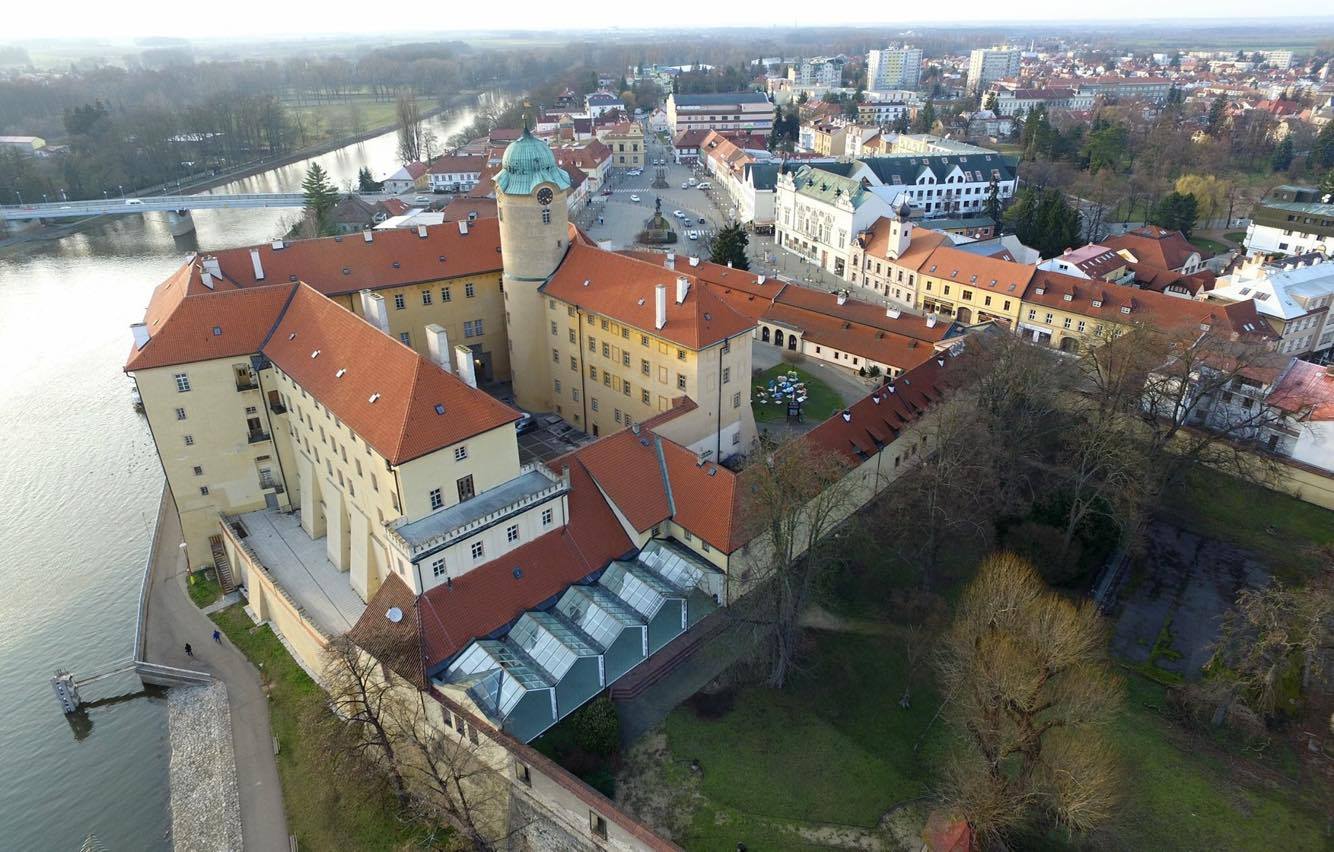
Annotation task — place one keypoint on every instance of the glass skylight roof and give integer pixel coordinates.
(598, 612)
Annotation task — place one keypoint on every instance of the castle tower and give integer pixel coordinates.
(531, 192)
(900, 229)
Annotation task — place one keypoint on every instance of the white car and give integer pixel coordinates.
(133, 202)
(680, 215)
(685, 185)
(694, 235)
(634, 198)
(422, 199)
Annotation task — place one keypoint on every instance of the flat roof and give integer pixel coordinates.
(525, 486)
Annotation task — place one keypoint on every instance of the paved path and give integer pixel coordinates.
(172, 620)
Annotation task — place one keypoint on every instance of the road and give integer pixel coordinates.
(173, 620)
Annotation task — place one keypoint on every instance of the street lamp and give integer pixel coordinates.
(104, 195)
(122, 191)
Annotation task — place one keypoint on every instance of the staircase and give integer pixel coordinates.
(668, 658)
(221, 565)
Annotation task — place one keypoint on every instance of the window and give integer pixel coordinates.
(438, 567)
(597, 824)
(592, 372)
(592, 344)
(643, 366)
(406, 337)
(643, 340)
(574, 365)
(572, 335)
(399, 302)
(199, 471)
(469, 290)
(625, 388)
(644, 397)
(546, 217)
(736, 400)
(478, 550)
(727, 374)
(460, 453)
(680, 382)
(1032, 314)
(604, 323)
(625, 359)
(466, 490)
(182, 382)
(512, 533)
(1048, 318)
(436, 500)
(555, 356)
(426, 297)
(203, 491)
(553, 328)
(189, 440)
(680, 354)
(1067, 322)
(606, 350)
(593, 402)
(556, 384)
(546, 517)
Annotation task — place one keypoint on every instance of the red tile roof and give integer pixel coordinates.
(885, 347)
(200, 327)
(1306, 389)
(705, 496)
(457, 164)
(985, 273)
(402, 423)
(623, 288)
(812, 301)
(625, 466)
(879, 417)
(490, 596)
(1154, 246)
(393, 257)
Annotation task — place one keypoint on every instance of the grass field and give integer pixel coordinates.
(321, 813)
(346, 117)
(204, 589)
(1275, 526)
(1208, 246)
(822, 402)
(1235, 236)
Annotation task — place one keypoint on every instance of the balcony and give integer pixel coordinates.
(246, 384)
(256, 437)
(277, 408)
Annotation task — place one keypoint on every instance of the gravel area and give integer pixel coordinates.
(205, 804)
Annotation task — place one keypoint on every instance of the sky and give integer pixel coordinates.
(23, 21)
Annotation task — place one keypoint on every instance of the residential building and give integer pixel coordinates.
(942, 184)
(1091, 261)
(971, 288)
(626, 141)
(598, 103)
(820, 210)
(720, 111)
(1014, 101)
(893, 68)
(455, 173)
(409, 177)
(1293, 295)
(27, 145)
(1291, 220)
(1151, 89)
(987, 64)
(824, 71)
(878, 113)
(1156, 247)
(888, 256)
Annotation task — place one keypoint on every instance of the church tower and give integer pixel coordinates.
(900, 229)
(531, 191)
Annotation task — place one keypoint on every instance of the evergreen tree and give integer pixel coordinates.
(926, 118)
(1327, 187)
(1217, 115)
(321, 196)
(1043, 219)
(1322, 152)
(1282, 156)
(1176, 211)
(730, 246)
(366, 181)
(990, 102)
(992, 205)
(901, 123)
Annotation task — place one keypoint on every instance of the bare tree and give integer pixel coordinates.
(368, 706)
(409, 128)
(794, 497)
(1030, 694)
(1277, 633)
(1105, 472)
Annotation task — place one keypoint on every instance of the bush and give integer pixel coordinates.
(597, 728)
(1041, 545)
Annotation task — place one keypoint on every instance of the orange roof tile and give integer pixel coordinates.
(986, 273)
(879, 417)
(1158, 309)
(704, 496)
(623, 288)
(821, 302)
(403, 422)
(885, 347)
(625, 467)
(1154, 246)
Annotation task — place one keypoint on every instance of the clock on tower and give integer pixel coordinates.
(544, 195)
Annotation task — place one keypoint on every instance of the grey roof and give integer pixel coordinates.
(763, 175)
(721, 99)
(525, 486)
(909, 168)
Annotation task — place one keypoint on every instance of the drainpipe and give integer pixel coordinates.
(583, 381)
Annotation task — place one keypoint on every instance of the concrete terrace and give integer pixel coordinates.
(299, 564)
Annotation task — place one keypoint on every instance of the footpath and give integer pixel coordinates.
(172, 620)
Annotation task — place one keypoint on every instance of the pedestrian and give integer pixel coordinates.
(189, 652)
(217, 636)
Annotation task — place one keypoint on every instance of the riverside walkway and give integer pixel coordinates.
(170, 621)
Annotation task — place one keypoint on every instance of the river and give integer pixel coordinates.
(79, 484)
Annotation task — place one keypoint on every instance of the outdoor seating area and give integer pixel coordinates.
(782, 390)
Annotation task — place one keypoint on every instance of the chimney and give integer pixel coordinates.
(463, 227)
(213, 267)
(893, 313)
(366, 235)
(421, 231)
(140, 332)
(760, 280)
(842, 297)
(931, 322)
(682, 287)
(259, 267)
(671, 260)
(373, 309)
(694, 261)
(660, 306)
(277, 245)
(437, 344)
(467, 368)
(206, 278)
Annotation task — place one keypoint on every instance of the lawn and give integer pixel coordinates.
(833, 747)
(820, 406)
(320, 813)
(1273, 525)
(345, 117)
(204, 589)
(1209, 247)
(1235, 236)
(1186, 796)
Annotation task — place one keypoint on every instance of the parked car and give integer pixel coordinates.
(606, 192)
(634, 198)
(704, 185)
(691, 181)
(421, 199)
(525, 424)
(685, 185)
(702, 221)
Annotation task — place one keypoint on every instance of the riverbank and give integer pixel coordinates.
(47, 233)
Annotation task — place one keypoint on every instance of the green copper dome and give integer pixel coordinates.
(528, 162)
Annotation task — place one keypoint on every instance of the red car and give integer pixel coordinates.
(606, 192)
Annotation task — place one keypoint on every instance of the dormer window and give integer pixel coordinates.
(1125, 309)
